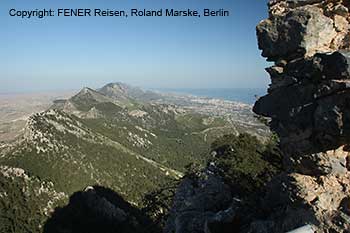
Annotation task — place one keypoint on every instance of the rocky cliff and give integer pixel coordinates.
(308, 102)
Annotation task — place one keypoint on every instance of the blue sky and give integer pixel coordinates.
(158, 52)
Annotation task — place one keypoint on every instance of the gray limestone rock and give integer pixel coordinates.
(198, 204)
(301, 31)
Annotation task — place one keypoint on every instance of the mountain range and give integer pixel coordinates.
(121, 137)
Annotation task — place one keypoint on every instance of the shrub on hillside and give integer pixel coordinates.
(244, 162)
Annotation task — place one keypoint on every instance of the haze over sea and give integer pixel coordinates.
(244, 95)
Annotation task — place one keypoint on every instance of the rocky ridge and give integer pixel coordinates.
(308, 103)
(126, 141)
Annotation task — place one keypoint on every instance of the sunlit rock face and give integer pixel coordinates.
(308, 102)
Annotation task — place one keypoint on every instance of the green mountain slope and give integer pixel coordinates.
(58, 147)
(25, 201)
(117, 137)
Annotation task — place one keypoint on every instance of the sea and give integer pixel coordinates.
(243, 95)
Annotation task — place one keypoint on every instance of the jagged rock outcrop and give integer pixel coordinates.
(200, 205)
(308, 102)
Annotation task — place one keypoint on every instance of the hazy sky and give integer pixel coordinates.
(160, 52)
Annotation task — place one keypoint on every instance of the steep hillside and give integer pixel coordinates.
(25, 201)
(57, 146)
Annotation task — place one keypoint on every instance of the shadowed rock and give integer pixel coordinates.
(98, 209)
(200, 206)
